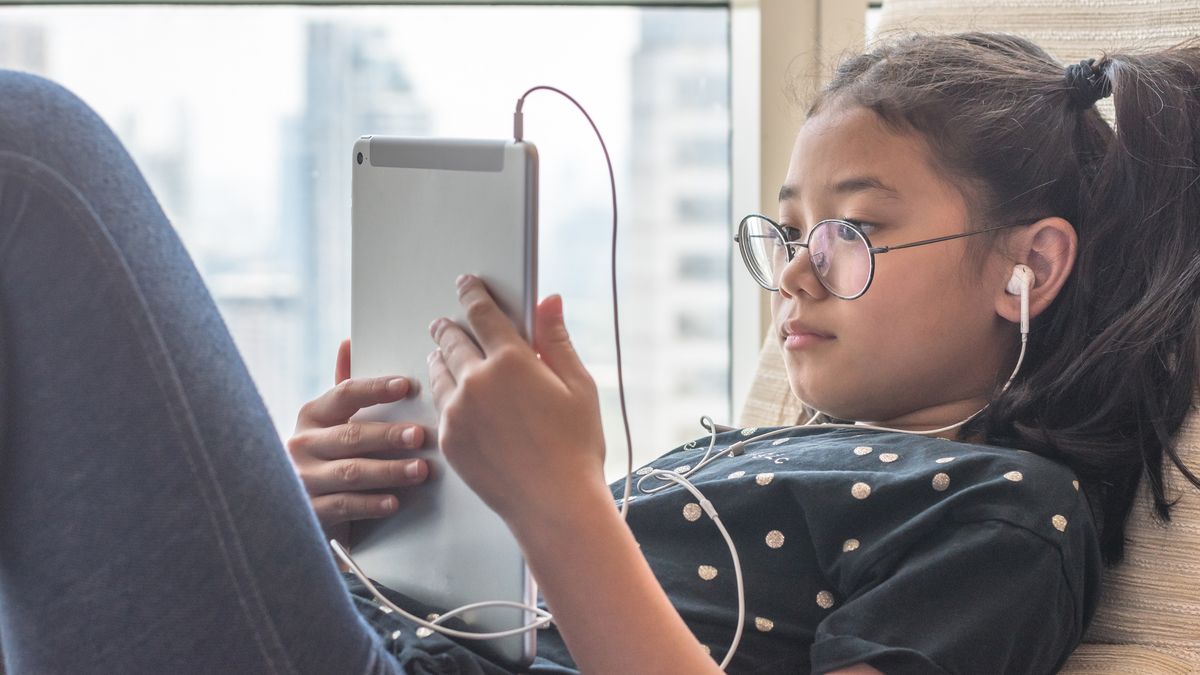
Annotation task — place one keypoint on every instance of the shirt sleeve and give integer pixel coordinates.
(978, 597)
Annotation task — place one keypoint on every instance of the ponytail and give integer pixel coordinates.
(1120, 355)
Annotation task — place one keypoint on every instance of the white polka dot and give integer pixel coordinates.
(764, 478)
(1059, 522)
(850, 545)
(706, 649)
(946, 460)
(707, 572)
(888, 457)
(683, 468)
(1075, 484)
(385, 609)
(825, 599)
(780, 441)
(941, 481)
(396, 634)
(763, 624)
(749, 431)
(1014, 476)
(737, 474)
(860, 490)
(645, 470)
(424, 632)
(692, 511)
(862, 450)
(775, 539)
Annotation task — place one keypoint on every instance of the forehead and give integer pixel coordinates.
(835, 146)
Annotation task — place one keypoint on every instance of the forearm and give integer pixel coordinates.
(612, 613)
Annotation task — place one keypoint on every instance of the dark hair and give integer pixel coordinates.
(1111, 364)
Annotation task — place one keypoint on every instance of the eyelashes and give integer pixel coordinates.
(795, 234)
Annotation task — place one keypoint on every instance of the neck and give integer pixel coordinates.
(936, 417)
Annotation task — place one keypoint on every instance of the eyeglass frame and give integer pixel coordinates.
(791, 245)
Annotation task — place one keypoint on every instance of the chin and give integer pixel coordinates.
(839, 407)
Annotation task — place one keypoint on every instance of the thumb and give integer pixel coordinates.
(551, 341)
(342, 370)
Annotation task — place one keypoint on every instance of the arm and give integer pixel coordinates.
(537, 459)
(612, 613)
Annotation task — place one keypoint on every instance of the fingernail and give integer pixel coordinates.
(433, 327)
(461, 280)
(386, 503)
(409, 435)
(397, 386)
(413, 470)
(429, 359)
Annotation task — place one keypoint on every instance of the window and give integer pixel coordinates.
(702, 267)
(703, 152)
(703, 210)
(240, 119)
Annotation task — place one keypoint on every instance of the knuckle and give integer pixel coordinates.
(296, 444)
(306, 410)
(379, 387)
(476, 309)
(344, 389)
(350, 472)
(350, 434)
(395, 436)
(505, 358)
(342, 508)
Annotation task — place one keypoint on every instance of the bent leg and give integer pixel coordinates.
(150, 520)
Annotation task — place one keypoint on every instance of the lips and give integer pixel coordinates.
(800, 328)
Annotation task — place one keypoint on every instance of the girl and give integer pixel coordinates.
(937, 185)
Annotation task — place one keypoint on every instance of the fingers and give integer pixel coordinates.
(458, 350)
(342, 371)
(337, 405)
(553, 344)
(441, 380)
(491, 326)
(354, 439)
(360, 474)
(344, 507)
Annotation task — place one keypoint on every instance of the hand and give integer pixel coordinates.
(330, 452)
(524, 432)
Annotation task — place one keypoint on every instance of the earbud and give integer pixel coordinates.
(1018, 284)
(1021, 279)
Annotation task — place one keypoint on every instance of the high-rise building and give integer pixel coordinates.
(353, 88)
(23, 47)
(679, 242)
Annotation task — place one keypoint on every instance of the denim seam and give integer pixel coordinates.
(158, 359)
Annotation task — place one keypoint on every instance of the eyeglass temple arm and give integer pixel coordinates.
(885, 249)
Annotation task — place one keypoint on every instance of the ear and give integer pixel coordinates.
(1048, 247)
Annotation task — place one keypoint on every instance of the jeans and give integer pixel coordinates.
(150, 519)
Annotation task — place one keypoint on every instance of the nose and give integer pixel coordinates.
(799, 277)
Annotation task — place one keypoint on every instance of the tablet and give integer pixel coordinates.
(424, 211)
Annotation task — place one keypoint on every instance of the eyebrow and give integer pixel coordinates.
(847, 186)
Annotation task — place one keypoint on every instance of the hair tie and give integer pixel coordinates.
(1088, 82)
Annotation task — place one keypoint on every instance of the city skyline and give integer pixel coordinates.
(271, 233)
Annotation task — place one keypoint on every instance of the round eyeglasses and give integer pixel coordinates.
(839, 252)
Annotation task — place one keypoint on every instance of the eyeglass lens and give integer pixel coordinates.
(839, 255)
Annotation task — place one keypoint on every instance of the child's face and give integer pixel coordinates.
(924, 346)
